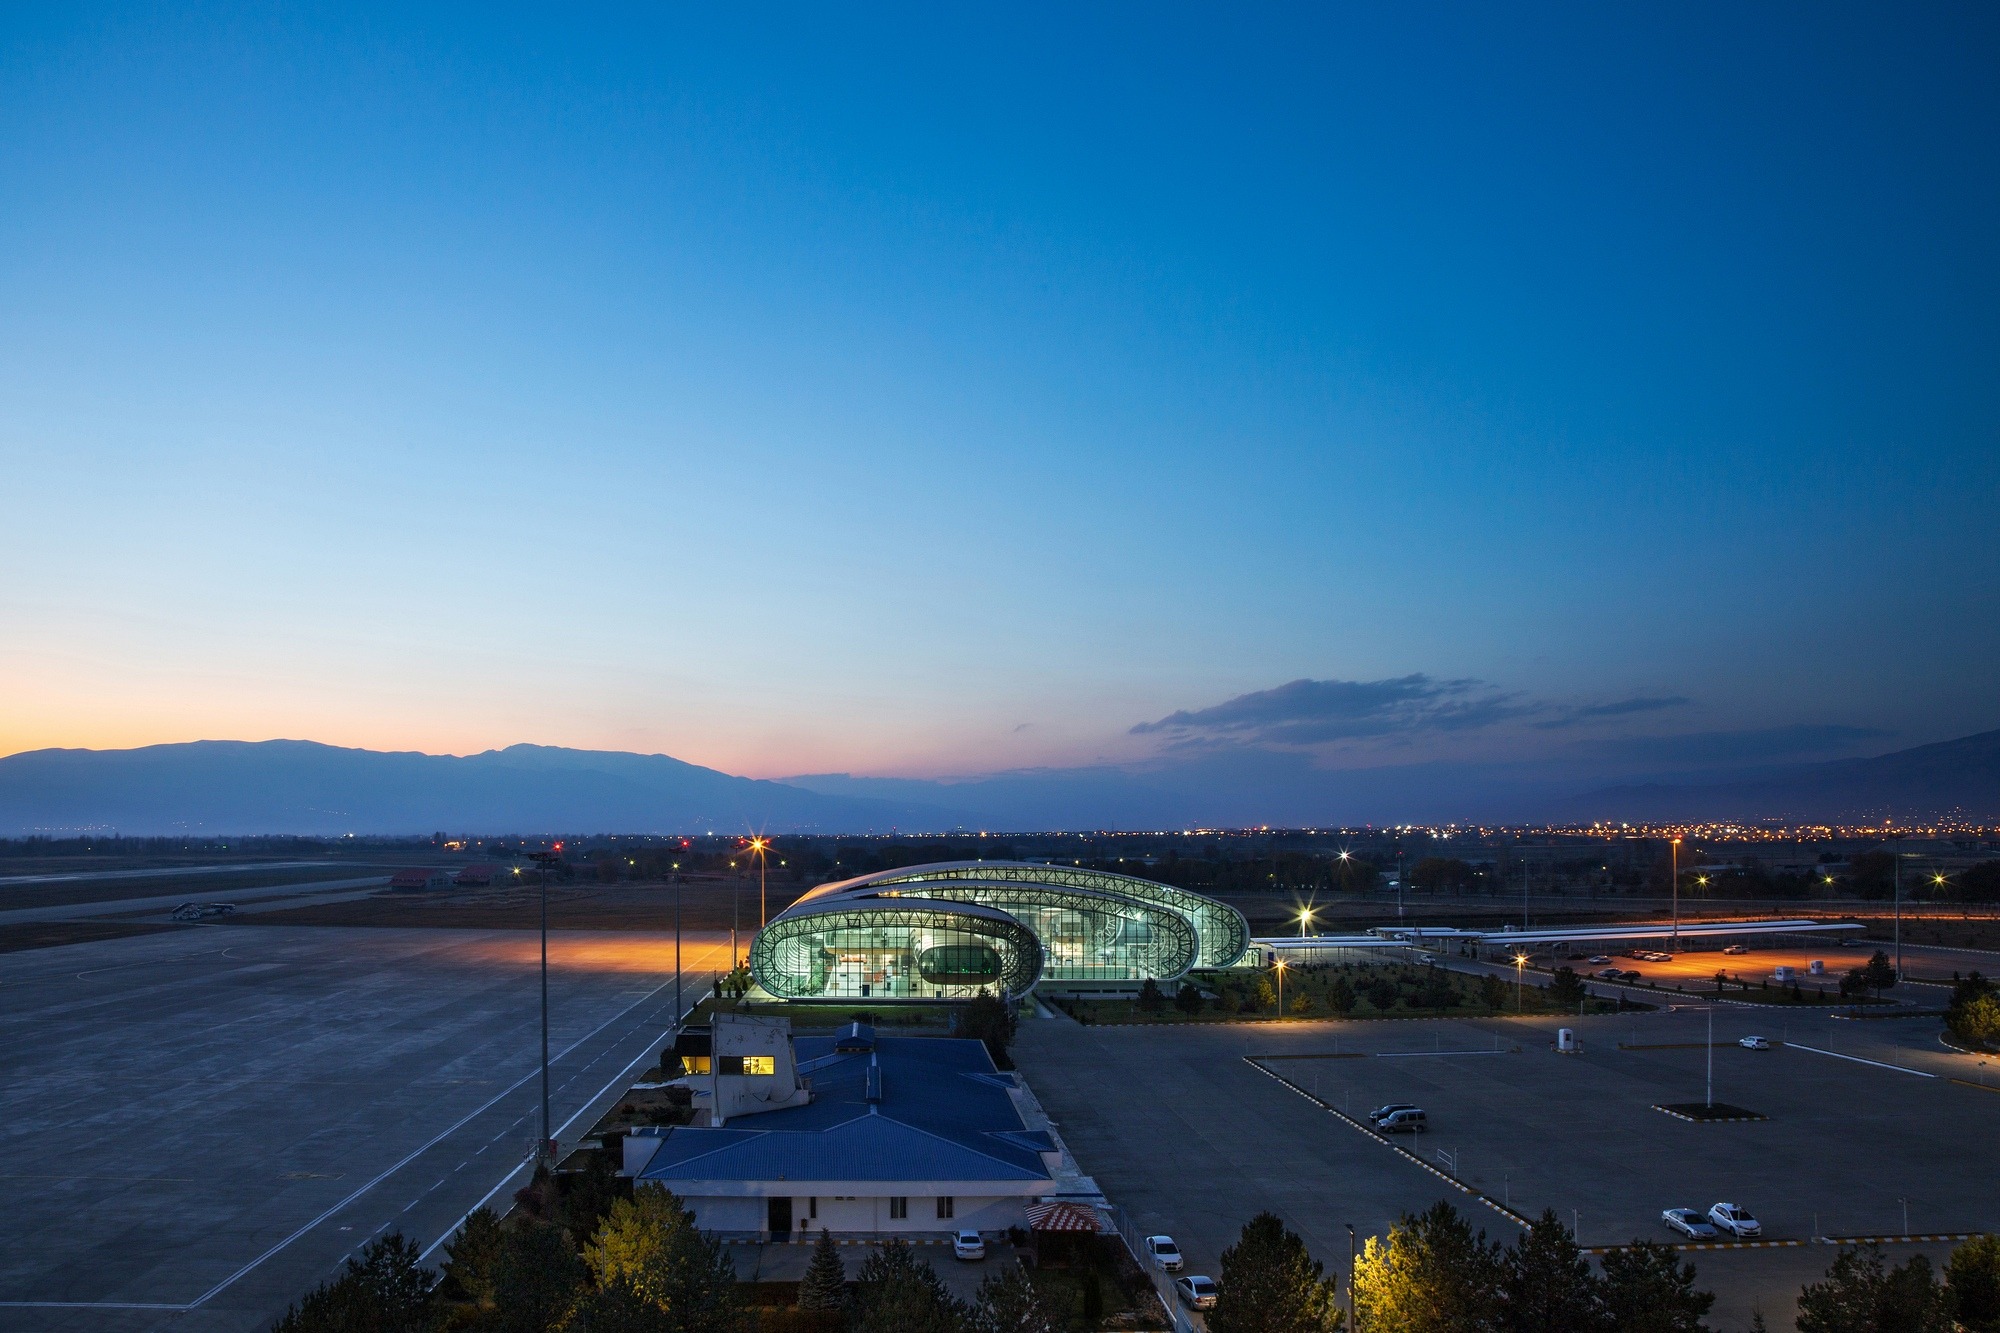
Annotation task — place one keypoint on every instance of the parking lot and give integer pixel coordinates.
(1193, 1139)
(200, 1124)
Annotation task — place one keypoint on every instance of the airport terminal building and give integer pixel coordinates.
(954, 929)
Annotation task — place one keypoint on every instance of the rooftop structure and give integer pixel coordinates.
(900, 1135)
(954, 929)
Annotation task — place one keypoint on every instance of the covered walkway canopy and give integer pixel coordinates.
(1414, 937)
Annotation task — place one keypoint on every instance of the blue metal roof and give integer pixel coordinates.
(944, 1114)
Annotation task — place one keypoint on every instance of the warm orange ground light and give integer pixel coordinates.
(623, 951)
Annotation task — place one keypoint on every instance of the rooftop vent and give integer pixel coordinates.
(854, 1038)
(874, 1093)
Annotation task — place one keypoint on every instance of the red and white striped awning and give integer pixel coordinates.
(1061, 1217)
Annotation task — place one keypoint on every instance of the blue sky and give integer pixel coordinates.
(908, 392)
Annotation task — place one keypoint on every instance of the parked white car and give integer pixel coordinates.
(1734, 950)
(1735, 1220)
(1196, 1293)
(1165, 1254)
(968, 1245)
(1689, 1222)
(1753, 1043)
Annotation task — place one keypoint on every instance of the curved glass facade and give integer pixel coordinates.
(894, 948)
(952, 929)
(1223, 932)
(1086, 936)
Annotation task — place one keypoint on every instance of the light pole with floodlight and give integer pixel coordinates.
(544, 860)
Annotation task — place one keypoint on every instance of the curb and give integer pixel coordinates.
(1714, 1120)
(1913, 1239)
(1710, 1245)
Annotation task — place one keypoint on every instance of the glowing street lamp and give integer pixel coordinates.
(1520, 984)
(1305, 918)
(1279, 965)
(1676, 854)
(761, 846)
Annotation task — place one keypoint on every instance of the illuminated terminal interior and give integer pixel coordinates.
(958, 929)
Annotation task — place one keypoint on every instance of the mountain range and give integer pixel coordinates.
(287, 786)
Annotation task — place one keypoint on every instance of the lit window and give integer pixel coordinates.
(760, 1064)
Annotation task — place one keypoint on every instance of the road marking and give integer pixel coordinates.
(488, 1105)
(1901, 1069)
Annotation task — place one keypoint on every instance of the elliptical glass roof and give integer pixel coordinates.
(956, 928)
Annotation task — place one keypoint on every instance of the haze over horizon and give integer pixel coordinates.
(1564, 393)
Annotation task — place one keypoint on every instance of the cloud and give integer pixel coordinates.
(1570, 717)
(1311, 712)
(1802, 741)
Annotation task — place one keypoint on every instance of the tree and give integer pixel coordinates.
(1270, 1284)
(1546, 1284)
(1972, 1284)
(1858, 1295)
(587, 1195)
(1009, 1303)
(900, 1293)
(991, 1020)
(1440, 873)
(648, 1256)
(385, 1290)
(1647, 1289)
(1188, 999)
(1340, 996)
(1566, 987)
(540, 1277)
(472, 1257)
(1872, 874)
(1492, 992)
(1151, 998)
(1974, 1013)
(1880, 973)
(824, 1286)
(1432, 1275)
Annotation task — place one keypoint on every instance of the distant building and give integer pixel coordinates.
(873, 1135)
(420, 877)
(479, 876)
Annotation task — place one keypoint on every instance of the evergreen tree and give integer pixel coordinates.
(1972, 1285)
(472, 1257)
(991, 1020)
(1432, 1275)
(900, 1293)
(1860, 1295)
(1151, 998)
(1188, 999)
(1546, 1285)
(825, 1284)
(539, 1279)
(383, 1291)
(1270, 1284)
(1647, 1289)
(649, 1257)
(1009, 1303)
(1340, 996)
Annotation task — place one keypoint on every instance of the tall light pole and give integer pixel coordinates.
(1520, 984)
(1279, 965)
(1898, 872)
(1675, 873)
(1350, 1276)
(544, 859)
(761, 845)
(1305, 918)
(680, 1009)
(735, 910)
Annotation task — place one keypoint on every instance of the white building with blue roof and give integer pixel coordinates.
(897, 1135)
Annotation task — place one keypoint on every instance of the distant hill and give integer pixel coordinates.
(1951, 778)
(304, 787)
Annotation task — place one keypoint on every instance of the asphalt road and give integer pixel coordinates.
(199, 1126)
(1193, 1140)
